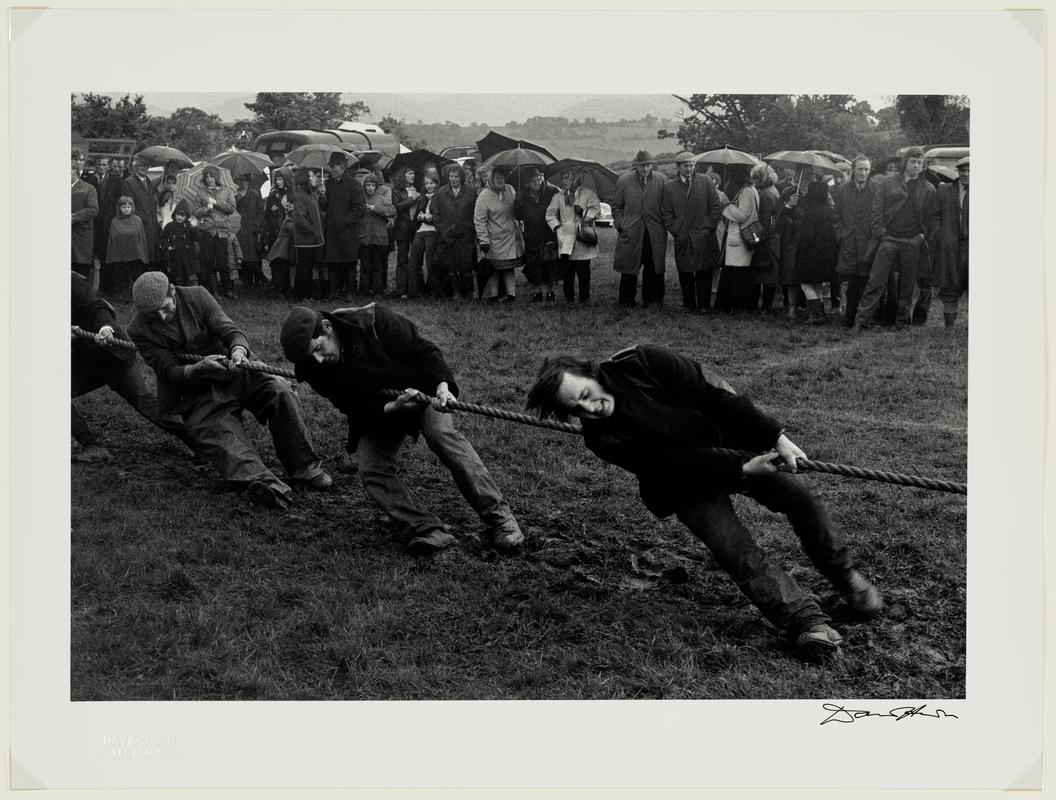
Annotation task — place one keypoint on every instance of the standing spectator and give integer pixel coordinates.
(137, 186)
(530, 208)
(405, 194)
(735, 286)
(212, 394)
(345, 206)
(689, 207)
(178, 247)
(250, 207)
(307, 237)
(788, 214)
(452, 211)
(423, 246)
(84, 206)
(165, 201)
(853, 203)
(213, 206)
(642, 238)
(109, 189)
(766, 258)
(499, 236)
(951, 270)
(574, 207)
(904, 216)
(374, 237)
(278, 229)
(126, 250)
(816, 249)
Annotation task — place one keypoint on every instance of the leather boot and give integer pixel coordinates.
(816, 310)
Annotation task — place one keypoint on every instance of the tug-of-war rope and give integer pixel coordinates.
(803, 464)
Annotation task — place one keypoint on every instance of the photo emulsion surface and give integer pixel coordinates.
(519, 397)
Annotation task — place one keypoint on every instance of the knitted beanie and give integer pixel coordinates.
(149, 291)
(297, 331)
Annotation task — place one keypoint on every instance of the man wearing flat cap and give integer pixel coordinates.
(211, 394)
(642, 242)
(690, 209)
(951, 271)
(349, 356)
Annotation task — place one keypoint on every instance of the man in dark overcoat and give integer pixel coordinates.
(690, 210)
(137, 186)
(346, 203)
(84, 207)
(642, 239)
(950, 274)
(659, 415)
(852, 212)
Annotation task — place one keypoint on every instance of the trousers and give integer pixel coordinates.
(891, 255)
(713, 520)
(378, 453)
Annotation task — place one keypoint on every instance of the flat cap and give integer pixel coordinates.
(297, 331)
(685, 156)
(149, 291)
(962, 163)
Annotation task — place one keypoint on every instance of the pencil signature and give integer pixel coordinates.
(845, 715)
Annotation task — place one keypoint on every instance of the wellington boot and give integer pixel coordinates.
(816, 310)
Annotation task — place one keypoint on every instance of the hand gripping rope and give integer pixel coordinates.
(805, 465)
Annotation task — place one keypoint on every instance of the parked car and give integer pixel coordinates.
(605, 217)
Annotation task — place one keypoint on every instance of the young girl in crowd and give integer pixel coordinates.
(126, 249)
(374, 238)
(179, 247)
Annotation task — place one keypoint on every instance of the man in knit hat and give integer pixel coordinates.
(642, 239)
(349, 356)
(211, 394)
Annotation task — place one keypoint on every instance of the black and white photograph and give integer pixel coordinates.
(487, 402)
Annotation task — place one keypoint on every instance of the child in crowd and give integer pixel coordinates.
(179, 247)
(126, 249)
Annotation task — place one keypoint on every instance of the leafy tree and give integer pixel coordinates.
(97, 116)
(934, 118)
(763, 123)
(193, 131)
(401, 130)
(295, 110)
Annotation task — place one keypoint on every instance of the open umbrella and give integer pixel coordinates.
(944, 174)
(316, 156)
(495, 143)
(595, 176)
(159, 155)
(187, 183)
(416, 160)
(725, 156)
(799, 159)
(242, 162)
(372, 158)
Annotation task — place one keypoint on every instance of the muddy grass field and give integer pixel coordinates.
(183, 591)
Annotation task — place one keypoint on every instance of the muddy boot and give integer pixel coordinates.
(816, 310)
(950, 318)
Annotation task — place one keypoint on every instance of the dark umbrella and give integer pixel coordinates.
(416, 160)
(799, 160)
(595, 176)
(944, 174)
(495, 143)
(242, 162)
(159, 155)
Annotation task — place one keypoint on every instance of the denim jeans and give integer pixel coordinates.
(892, 254)
(781, 600)
(378, 454)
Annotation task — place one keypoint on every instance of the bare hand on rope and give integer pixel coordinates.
(409, 399)
(212, 365)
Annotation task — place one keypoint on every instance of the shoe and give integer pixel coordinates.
(818, 643)
(863, 598)
(432, 542)
(261, 494)
(92, 455)
(319, 483)
(537, 297)
(507, 536)
(857, 330)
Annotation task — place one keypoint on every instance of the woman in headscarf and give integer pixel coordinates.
(499, 236)
(213, 207)
(374, 237)
(735, 292)
(530, 207)
(452, 210)
(570, 210)
(277, 229)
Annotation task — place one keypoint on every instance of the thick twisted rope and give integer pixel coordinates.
(803, 464)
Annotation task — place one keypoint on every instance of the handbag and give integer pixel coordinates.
(752, 234)
(586, 233)
(550, 251)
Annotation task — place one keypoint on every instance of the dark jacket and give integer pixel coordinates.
(178, 248)
(109, 191)
(380, 349)
(952, 237)
(202, 328)
(816, 246)
(668, 411)
(84, 210)
(635, 212)
(307, 219)
(852, 211)
(456, 233)
(690, 216)
(533, 214)
(345, 205)
(90, 312)
(404, 226)
(766, 258)
(891, 194)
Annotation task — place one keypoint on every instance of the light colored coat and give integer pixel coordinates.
(496, 226)
(561, 217)
(744, 209)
